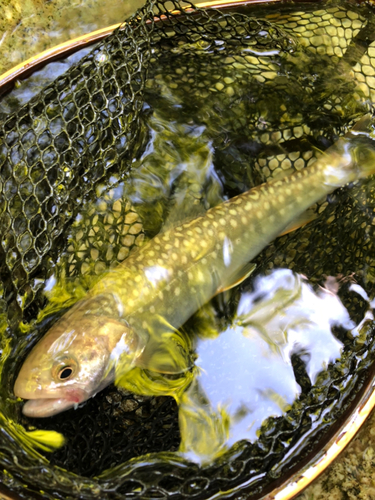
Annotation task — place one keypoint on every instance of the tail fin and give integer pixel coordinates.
(353, 156)
(361, 140)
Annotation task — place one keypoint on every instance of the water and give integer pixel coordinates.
(209, 135)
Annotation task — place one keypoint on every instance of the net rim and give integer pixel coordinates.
(24, 69)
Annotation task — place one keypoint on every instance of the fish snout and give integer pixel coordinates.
(41, 408)
(49, 402)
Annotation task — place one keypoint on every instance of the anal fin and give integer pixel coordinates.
(238, 277)
(300, 221)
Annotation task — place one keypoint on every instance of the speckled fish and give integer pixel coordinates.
(159, 286)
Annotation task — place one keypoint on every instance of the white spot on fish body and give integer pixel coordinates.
(206, 223)
(200, 276)
(174, 256)
(204, 244)
(244, 220)
(260, 215)
(223, 222)
(177, 291)
(184, 259)
(248, 206)
(156, 274)
(152, 309)
(233, 223)
(227, 251)
(233, 212)
(210, 232)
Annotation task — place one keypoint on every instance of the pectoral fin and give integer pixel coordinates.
(300, 221)
(167, 351)
(167, 357)
(238, 277)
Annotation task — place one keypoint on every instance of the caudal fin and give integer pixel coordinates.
(361, 139)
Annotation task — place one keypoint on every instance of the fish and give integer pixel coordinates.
(122, 321)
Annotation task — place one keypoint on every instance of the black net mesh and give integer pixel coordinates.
(271, 89)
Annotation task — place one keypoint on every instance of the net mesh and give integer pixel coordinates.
(265, 91)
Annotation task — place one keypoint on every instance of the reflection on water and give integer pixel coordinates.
(23, 92)
(245, 373)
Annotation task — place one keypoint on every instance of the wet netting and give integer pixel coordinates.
(268, 90)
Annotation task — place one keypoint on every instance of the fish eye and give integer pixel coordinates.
(64, 369)
(65, 372)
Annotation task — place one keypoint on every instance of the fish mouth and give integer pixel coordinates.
(49, 404)
(46, 407)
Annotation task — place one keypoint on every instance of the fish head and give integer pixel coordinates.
(71, 363)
